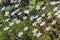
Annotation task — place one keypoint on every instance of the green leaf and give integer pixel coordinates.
(40, 3)
(32, 2)
(45, 37)
(9, 8)
(58, 32)
(2, 36)
(31, 7)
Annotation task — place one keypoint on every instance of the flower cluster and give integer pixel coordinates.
(36, 23)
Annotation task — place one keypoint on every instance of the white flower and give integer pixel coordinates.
(36, 16)
(6, 28)
(53, 3)
(43, 15)
(12, 13)
(26, 28)
(44, 8)
(25, 17)
(32, 17)
(16, 5)
(11, 23)
(39, 20)
(48, 13)
(38, 34)
(37, 7)
(6, 13)
(7, 20)
(48, 28)
(20, 34)
(17, 21)
(17, 10)
(53, 22)
(35, 30)
(34, 24)
(43, 23)
(58, 12)
(19, 13)
(3, 8)
(58, 16)
(26, 11)
(49, 16)
(55, 9)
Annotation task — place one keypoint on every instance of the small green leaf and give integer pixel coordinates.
(45, 37)
(9, 8)
(31, 7)
(32, 2)
(40, 3)
(58, 32)
(2, 36)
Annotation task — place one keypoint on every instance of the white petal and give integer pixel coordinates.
(42, 24)
(53, 22)
(44, 8)
(43, 15)
(6, 13)
(20, 34)
(37, 7)
(11, 23)
(17, 21)
(7, 20)
(55, 9)
(25, 17)
(16, 5)
(35, 30)
(26, 28)
(26, 11)
(48, 28)
(6, 28)
(39, 34)
(48, 13)
(3, 8)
